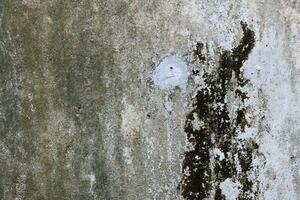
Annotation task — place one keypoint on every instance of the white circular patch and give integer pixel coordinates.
(171, 71)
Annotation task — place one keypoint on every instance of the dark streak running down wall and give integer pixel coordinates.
(202, 170)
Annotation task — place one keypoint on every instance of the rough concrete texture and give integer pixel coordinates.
(82, 117)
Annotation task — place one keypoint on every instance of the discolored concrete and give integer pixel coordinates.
(82, 115)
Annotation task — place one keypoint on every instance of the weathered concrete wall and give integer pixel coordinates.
(88, 109)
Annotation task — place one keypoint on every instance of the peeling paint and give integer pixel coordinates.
(230, 189)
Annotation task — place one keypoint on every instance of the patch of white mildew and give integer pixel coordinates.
(92, 179)
(150, 141)
(197, 123)
(276, 176)
(230, 189)
(131, 130)
(249, 133)
(270, 73)
(169, 106)
(225, 37)
(131, 122)
(219, 153)
(171, 71)
(127, 156)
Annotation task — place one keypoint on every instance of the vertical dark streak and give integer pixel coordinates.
(218, 129)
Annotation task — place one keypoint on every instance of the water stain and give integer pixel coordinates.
(202, 171)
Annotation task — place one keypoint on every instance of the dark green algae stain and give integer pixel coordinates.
(219, 130)
(32, 52)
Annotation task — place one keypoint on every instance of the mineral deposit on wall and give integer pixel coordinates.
(161, 99)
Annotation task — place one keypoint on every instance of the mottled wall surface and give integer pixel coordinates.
(87, 113)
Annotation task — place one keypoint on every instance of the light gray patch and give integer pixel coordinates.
(171, 71)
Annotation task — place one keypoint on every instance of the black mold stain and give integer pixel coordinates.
(198, 52)
(218, 129)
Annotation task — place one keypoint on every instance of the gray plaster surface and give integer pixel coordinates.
(82, 115)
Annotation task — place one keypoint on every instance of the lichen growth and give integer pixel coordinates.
(219, 129)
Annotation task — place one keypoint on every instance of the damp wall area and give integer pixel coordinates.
(162, 99)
